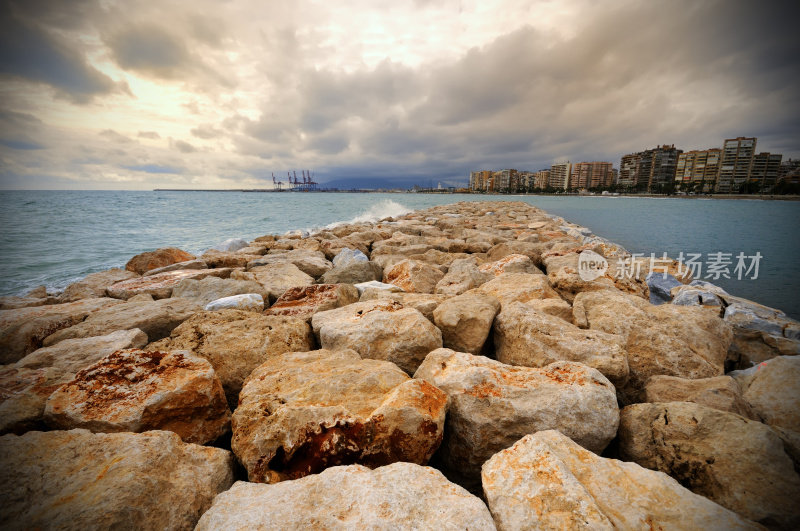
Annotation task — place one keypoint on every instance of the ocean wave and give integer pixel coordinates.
(382, 209)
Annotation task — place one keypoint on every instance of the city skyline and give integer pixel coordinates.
(140, 95)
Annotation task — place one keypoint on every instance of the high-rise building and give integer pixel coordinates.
(790, 171)
(559, 175)
(628, 176)
(541, 179)
(481, 181)
(506, 180)
(650, 169)
(765, 169)
(698, 168)
(737, 161)
(591, 175)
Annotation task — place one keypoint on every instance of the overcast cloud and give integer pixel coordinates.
(208, 94)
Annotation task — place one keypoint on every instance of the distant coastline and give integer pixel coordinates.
(765, 197)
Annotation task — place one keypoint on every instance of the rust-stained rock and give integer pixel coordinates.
(141, 263)
(23, 330)
(413, 276)
(160, 286)
(378, 329)
(237, 341)
(302, 412)
(519, 287)
(512, 263)
(72, 355)
(527, 337)
(135, 390)
(189, 264)
(305, 301)
(397, 496)
(95, 284)
(154, 318)
(466, 320)
(739, 463)
(719, 392)
(682, 341)
(491, 405)
(424, 303)
(81, 480)
(546, 481)
(23, 393)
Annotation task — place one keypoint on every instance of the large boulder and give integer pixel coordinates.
(760, 333)
(72, 355)
(349, 256)
(275, 278)
(424, 303)
(189, 264)
(682, 341)
(302, 412)
(466, 320)
(740, 464)
(23, 330)
(528, 337)
(491, 405)
(134, 390)
(462, 275)
(413, 276)
(353, 272)
(383, 330)
(160, 286)
(236, 342)
(141, 263)
(95, 284)
(719, 392)
(253, 302)
(305, 301)
(512, 263)
(81, 480)
(313, 263)
(397, 496)
(210, 289)
(519, 287)
(773, 391)
(23, 393)
(154, 318)
(547, 481)
(227, 259)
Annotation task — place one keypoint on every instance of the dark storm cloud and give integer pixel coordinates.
(29, 51)
(150, 48)
(20, 131)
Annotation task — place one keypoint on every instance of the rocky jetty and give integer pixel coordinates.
(449, 368)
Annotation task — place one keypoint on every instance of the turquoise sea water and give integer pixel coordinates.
(57, 237)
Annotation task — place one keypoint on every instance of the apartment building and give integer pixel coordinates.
(559, 175)
(591, 174)
(650, 169)
(737, 161)
(541, 179)
(765, 170)
(699, 168)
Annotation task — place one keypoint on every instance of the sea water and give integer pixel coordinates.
(57, 237)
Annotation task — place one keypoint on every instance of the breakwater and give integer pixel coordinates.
(474, 364)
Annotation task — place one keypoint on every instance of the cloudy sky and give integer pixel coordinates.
(207, 94)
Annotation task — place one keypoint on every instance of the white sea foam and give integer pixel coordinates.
(382, 209)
